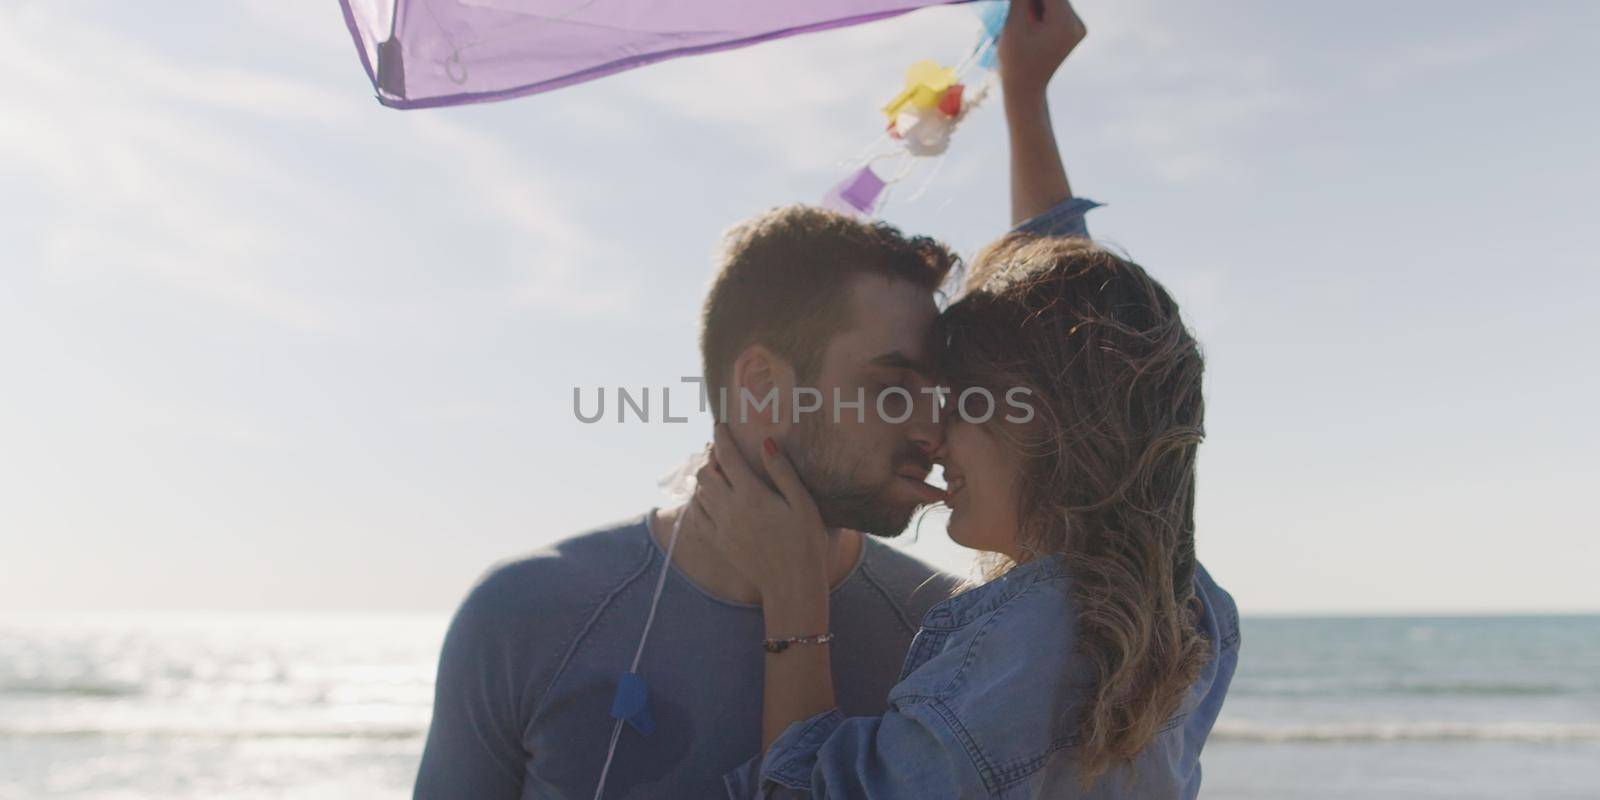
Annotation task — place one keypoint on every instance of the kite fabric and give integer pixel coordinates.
(423, 53)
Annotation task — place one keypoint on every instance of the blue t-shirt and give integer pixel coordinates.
(531, 662)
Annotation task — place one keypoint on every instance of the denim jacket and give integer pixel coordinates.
(986, 707)
(1063, 219)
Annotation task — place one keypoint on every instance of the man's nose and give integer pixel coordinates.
(926, 426)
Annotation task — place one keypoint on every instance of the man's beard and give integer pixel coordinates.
(829, 473)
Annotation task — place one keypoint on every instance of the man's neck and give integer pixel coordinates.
(702, 563)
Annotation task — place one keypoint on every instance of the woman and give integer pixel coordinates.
(1094, 659)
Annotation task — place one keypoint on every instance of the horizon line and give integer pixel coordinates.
(1335, 614)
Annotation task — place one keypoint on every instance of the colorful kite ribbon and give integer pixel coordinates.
(922, 118)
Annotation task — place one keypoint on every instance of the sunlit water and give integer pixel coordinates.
(335, 707)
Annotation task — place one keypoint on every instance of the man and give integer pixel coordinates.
(803, 298)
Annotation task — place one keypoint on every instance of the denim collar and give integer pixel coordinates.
(962, 609)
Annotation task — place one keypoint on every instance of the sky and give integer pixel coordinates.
(268, 346)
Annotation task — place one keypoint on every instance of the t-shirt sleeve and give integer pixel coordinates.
(474, 747)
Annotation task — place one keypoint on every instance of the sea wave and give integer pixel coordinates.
(1485, 689)
(1337, 687)
(71, 688)
(8, 731)
(1248, 731)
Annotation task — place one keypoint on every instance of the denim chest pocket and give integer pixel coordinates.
(924, 646)
(1004, 681)
(943, 623)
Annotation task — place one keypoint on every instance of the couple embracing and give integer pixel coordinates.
(790, 653)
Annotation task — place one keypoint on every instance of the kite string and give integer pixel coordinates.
(864, 157)
(638, 653)
(938, 164)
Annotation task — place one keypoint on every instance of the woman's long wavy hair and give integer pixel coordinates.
(1108, 463)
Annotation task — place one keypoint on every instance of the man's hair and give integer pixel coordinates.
(782, 282)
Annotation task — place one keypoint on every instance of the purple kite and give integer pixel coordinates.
(422, 53)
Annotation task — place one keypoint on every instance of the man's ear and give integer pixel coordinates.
(760, 392)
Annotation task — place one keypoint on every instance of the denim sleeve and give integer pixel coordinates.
(910, 753)
(474, 746)
(1064, 219)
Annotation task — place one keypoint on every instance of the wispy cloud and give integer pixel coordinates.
(1180, 99)
(564, 266)
(1447, 51)
(1188, 135)
(176, 172)
(144, 183)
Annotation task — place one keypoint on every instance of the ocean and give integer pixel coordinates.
(335, 706)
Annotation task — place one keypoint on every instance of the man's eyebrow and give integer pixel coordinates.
(896, 359)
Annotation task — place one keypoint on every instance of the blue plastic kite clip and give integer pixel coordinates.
(993, 16)
(632, 703)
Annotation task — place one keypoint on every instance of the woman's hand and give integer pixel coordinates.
(776, 539)
(1038, 36)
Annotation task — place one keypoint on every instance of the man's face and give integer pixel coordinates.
(865, 469)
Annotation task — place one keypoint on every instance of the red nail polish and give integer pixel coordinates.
(770, 446)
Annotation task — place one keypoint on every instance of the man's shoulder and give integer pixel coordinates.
(910, 583)
(566, 576)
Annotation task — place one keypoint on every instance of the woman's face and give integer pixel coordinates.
(983, 482)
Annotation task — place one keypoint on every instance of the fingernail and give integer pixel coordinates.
(770, 446)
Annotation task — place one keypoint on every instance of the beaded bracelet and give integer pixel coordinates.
(780, 645)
